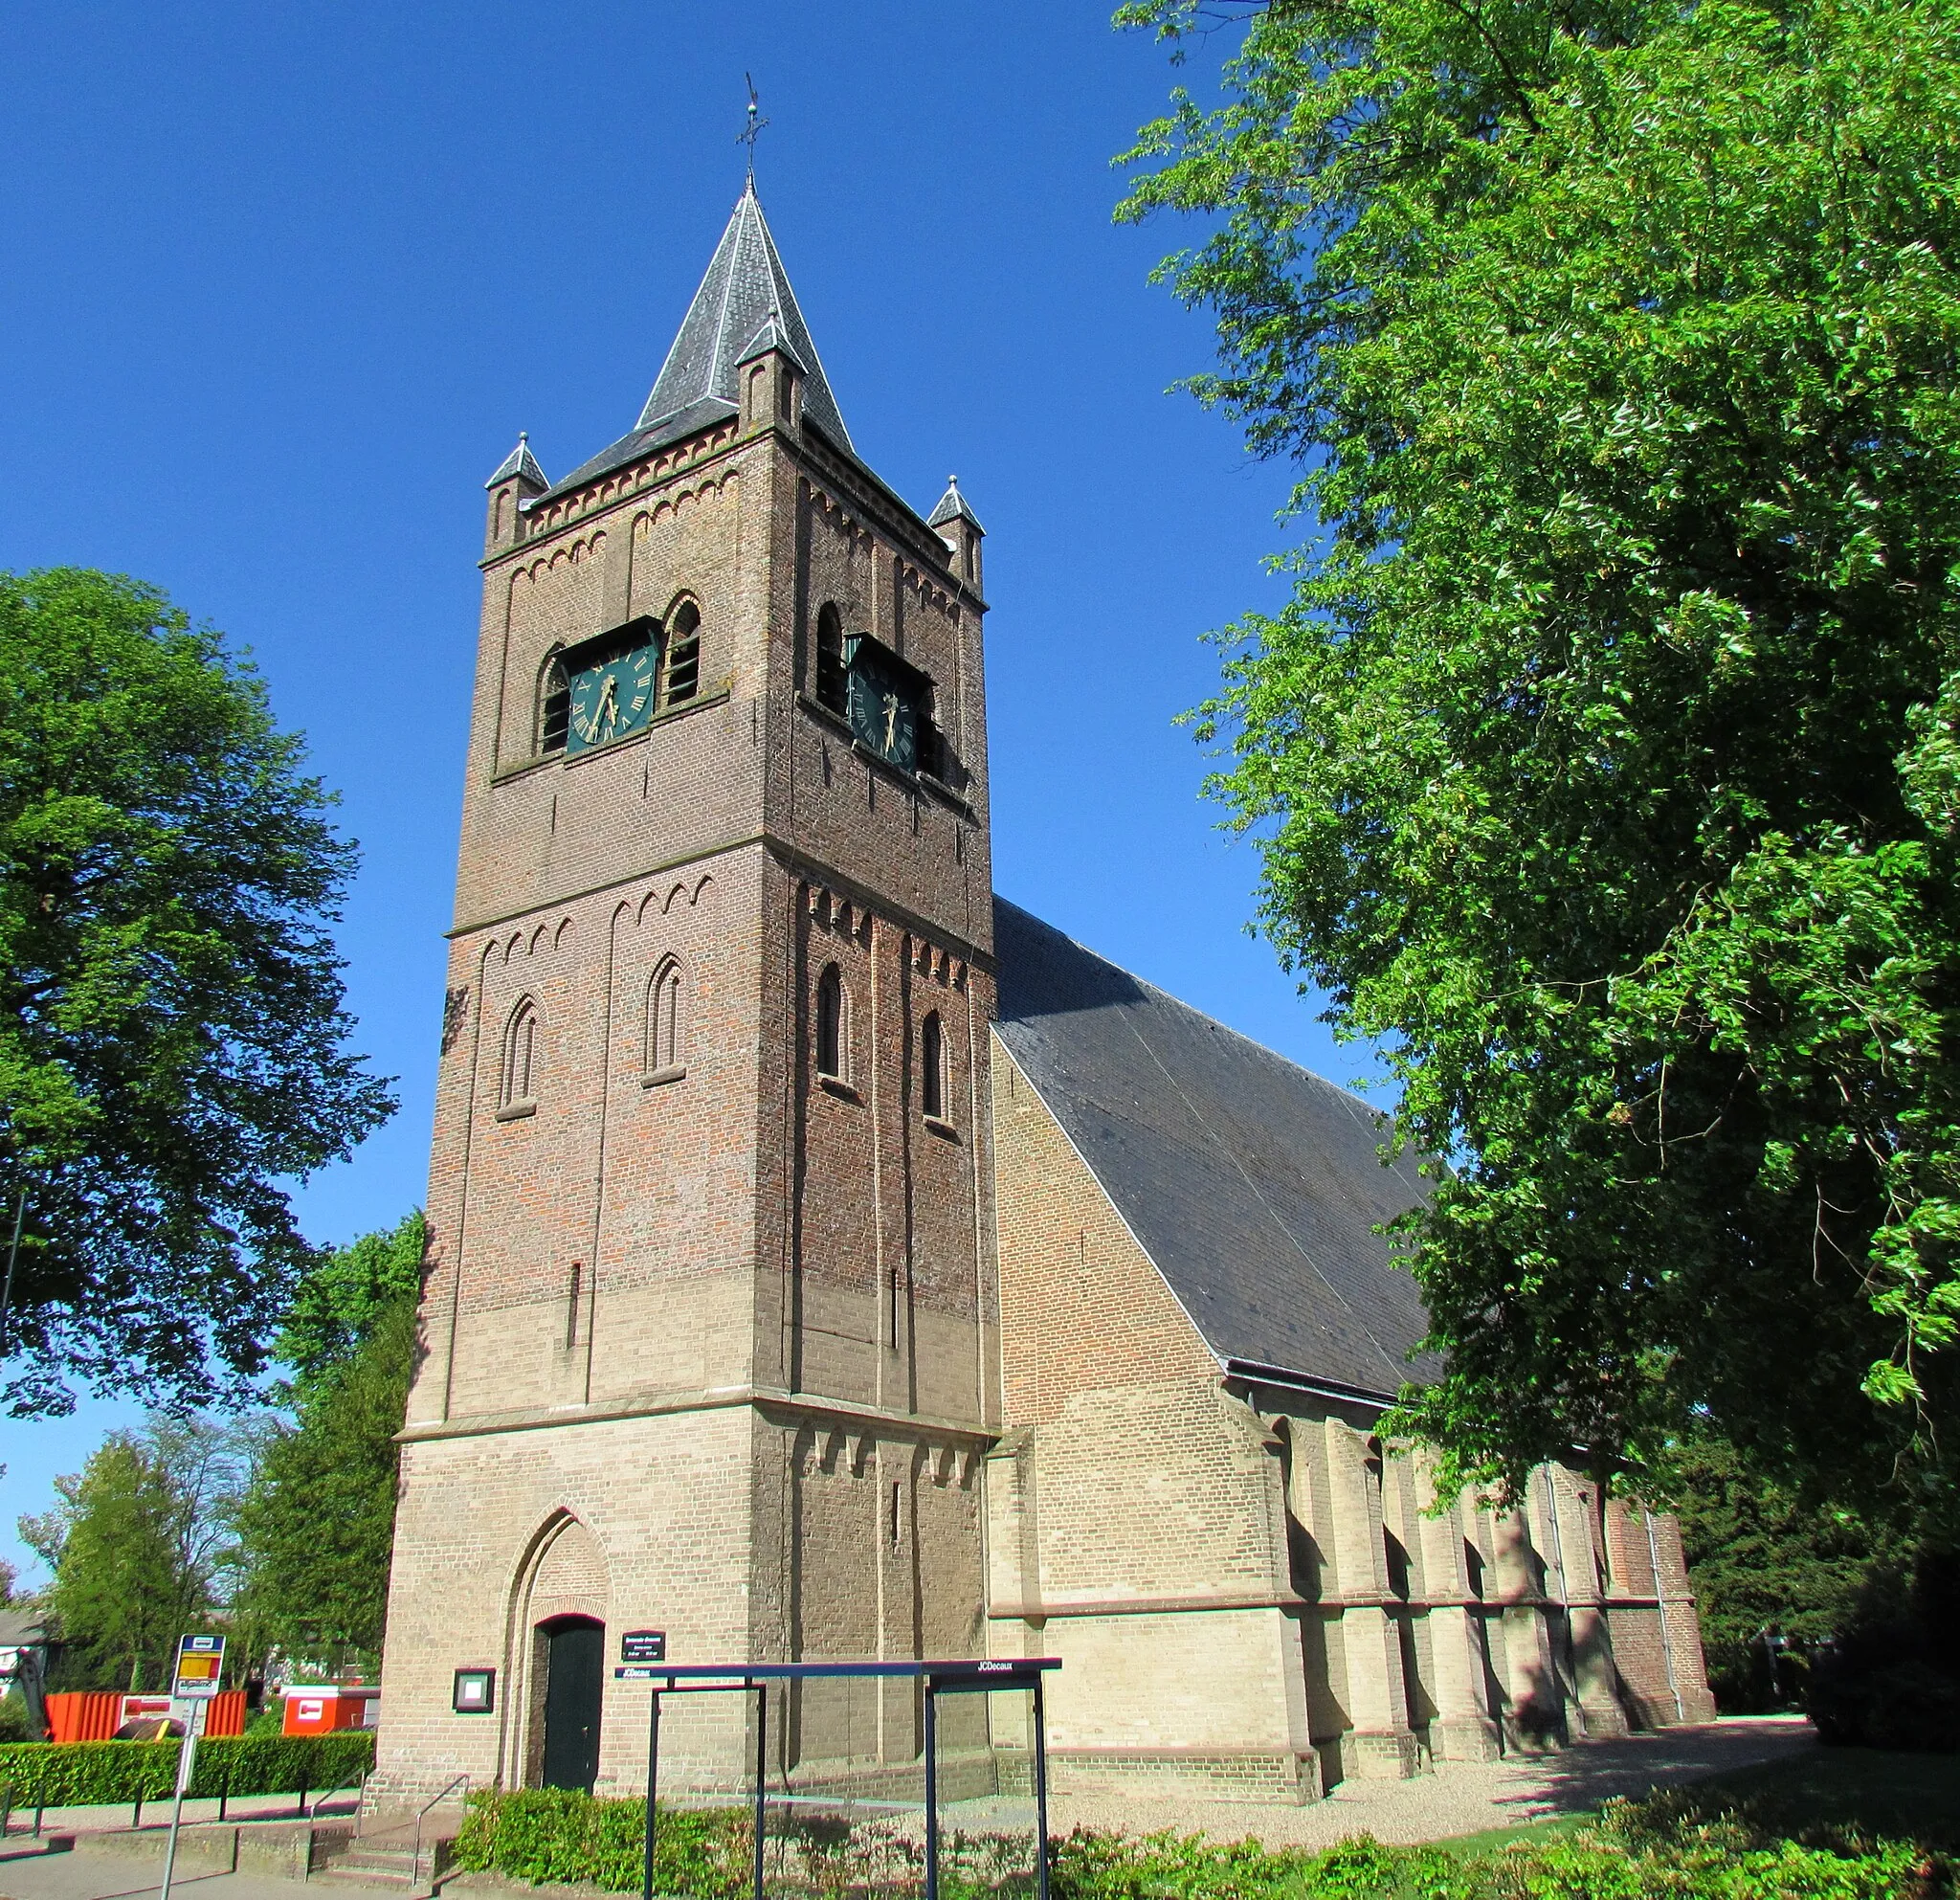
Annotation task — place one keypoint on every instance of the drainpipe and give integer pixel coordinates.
(1681, 1715)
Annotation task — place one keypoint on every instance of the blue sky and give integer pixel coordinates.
(282, 283)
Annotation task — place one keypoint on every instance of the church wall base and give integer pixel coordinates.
(1473, 1739)
(1255, 1774)
(1390, 1755)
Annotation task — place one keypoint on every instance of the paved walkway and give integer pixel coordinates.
(28, 1871)
(115, 1816)
(1464, 1798)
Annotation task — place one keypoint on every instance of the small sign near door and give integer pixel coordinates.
(644, 1645)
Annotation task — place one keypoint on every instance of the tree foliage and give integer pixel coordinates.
(141, 1548)
(172, 1036)
(1762, 1560)
(318, 1525)
(1604, 761)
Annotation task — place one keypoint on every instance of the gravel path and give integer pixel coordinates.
(1464, 1798)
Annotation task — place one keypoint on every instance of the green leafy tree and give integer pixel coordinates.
(141, 1548)
(1604, 762)
(1764, 1562)
(171, 1030)
(318, 1525)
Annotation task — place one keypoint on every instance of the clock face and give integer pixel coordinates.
(611, 697)
(883, 718)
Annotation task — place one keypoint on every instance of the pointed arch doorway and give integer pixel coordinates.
(574, 1694)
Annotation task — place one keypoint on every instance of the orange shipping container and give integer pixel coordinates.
(85, 1715)
(93, 1715)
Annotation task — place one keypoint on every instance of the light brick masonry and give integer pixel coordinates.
(714, 1344)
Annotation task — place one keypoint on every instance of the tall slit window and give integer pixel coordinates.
(932, 1068)
(833, 1024)
(554, 705)
(666, 1055)
(681, 669)
(521, 1057)
(831, 688)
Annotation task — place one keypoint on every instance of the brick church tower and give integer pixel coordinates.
(708, 1340)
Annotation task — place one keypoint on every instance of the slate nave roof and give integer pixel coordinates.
(1252, 1184)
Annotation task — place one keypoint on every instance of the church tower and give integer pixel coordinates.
(708, 1329)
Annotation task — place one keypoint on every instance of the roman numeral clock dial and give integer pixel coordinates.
(612, 697)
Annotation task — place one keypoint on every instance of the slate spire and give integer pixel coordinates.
(953, 506)
(746, 290)
(522, 463)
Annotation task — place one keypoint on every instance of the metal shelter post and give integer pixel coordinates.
(761, 1757)
(931, 1789)
(646, 1883)
(973, 1675)
(1041, 1793)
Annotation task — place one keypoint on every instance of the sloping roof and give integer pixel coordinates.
(1252, 1184)
(22, 1626)
(518, 462)
(745, 295)
(952, 504)
(745, 287)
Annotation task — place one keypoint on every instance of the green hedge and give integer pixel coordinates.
(559, 1834)
(551, 1835)
(74, 1774)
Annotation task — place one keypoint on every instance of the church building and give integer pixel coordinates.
(831, 1260)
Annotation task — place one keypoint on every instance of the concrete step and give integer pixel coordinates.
(374, 1870)
(374, 1863)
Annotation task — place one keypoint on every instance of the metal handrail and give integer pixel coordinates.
(460, 1781)
(359, 1786)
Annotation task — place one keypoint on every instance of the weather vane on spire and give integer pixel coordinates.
(753, 131)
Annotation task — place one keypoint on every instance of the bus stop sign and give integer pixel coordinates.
(200, 1666)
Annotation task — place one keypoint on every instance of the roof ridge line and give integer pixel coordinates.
(737, 226)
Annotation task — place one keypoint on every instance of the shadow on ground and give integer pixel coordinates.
(1574, 1780)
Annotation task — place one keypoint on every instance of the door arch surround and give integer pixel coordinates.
(563, 1580)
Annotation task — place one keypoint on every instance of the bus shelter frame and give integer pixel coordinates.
(970, 1677)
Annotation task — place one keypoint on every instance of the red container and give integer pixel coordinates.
(322, 1708)
(93, 1715)
(85, 1715)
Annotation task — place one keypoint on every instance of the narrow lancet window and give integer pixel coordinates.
(829, 659)
(932, 1068)
(833, 1025)
(519, 1057)
(666, 1051)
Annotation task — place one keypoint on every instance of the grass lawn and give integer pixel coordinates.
(1866, 1791)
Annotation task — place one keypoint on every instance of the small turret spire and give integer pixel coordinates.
(953, 506)
(522, 463)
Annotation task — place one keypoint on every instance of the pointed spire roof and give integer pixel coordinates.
(953, 505)
(521, 463)
(744, 291)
